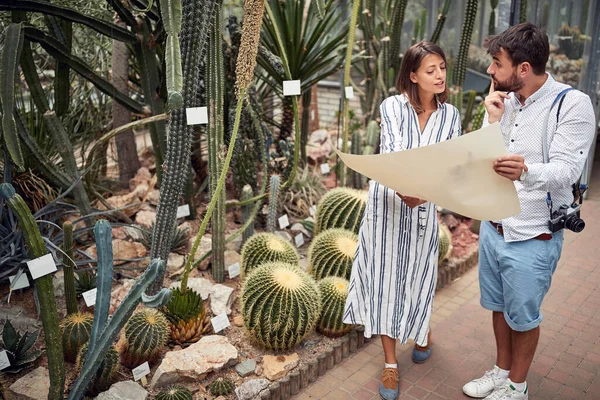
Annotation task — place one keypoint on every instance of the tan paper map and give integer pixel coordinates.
(456, 174)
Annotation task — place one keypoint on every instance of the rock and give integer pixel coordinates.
(210, 353)
(58, 281)
(235, 244)
(122, 201)
(143, 176)
(298, 227)
(238, 320)
(221, 299)
(259, 370)
(319, 136)
(18, 318)
(202, 286)
(126, 390)
(119, 232)
(33, 386)
(141, 190)
(309, 344)
(145, 218)
(284, 235)
(303, 263)
(246, 368)
(250, 389)
(118, 294)
(134, 232)
(122, 250)
(204, 246)
(231, 257)
(153, 197)
(318, 152)
(174, 262)
(275, 367)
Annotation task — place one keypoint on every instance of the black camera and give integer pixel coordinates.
(567, 217)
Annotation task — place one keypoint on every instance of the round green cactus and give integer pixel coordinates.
(267, 247)
(221, 387)
(144, 337)
(174, 392)
(445, 243)
(75, 330)
(280, 305)
(334, 291)
(106, 374)
(341, 208)
(331, 253)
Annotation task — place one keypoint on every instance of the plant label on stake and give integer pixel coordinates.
(183, 211)
(312, 210)
(234, 270)
(291, 88)
(220, 322)
(21, 283)
(284, 222)
(196, 115)
(4, 361)
(140, 372)
(325, 168)
(349, 92)
(41, 266)
(299, 239)
(90, 297)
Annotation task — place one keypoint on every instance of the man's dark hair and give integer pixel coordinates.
(523, 43)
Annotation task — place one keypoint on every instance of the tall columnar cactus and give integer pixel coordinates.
(356, 178)
(266, 247)
(107, 369)
(69, 268)
(280, 304)
(171, 13)
(441, 19)
(469, 110)
(174, 393)
(334, 291)
(144, 337)
(44, 288)
(221, 387)
(445, 243)
(341, 208)
(75, 329)
(523, 12)
(247, 213)
(274, 187)
(331, 253)
(478, 117)
(187, 317)
(492, 22)
(460, 65)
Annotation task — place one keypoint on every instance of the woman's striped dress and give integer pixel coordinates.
(395, 267)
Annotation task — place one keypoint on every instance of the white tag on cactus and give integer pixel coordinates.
(141, 371)
(220, 322)
(234, 270)
(284, 222)
(4, 361)
(41, 266)
(291, 88)
(21, 283)
(299, 239)
(196, 115)
(349, 92)
(325, 168)
(90, 297)
(312, 210)
(183, 211)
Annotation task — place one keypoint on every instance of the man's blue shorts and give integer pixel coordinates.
(514, 277)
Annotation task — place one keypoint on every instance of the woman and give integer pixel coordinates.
(395, 268)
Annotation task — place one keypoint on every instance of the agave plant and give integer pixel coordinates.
(187, 317)
(19, 348)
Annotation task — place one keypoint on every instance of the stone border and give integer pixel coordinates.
(449, 271)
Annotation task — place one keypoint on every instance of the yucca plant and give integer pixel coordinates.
(221, 387)
(144, 337)
(107, 370)
(334, 291)
(19, 348)
(266, 247)
(331, 253)
(187, 317)
(75, 329)
(174, 392)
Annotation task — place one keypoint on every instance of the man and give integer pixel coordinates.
(518, 255)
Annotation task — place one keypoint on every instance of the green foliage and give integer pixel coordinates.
(107, 370)
(274, 186)
(445, 243)
(280, 305)
(85, 281)
(341, 208)
(306, 191)
(144, 337)
(334, 291)
(19, 348)
(174, 393)
(221, 387)
(331, 253)
(75, 329)
(187, 317)
(266, 247)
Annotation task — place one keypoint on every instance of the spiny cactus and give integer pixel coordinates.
(441, 19)
(144, 337)
(187, 317)
(280, 305)
(178, 240)
(478, 118)
(247, 213)
(174, 393)
(331, 253)
(75, 329)
(475, 225)
(523, 12)
(334, 291)
(469, 110)
(492, 22)
(460, 65)
(265, 247)
(273, 203)
(445, 243)
(69, 268)
(221, 387)
(106, 373)
(341, 208)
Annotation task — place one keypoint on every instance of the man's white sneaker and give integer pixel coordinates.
(508, 391)
(484, 386)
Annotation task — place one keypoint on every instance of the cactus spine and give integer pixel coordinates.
(45, 290)
(266, 247)
(247, 213)
(280, 304)
(460, 66)
(69, 268)
(331, 253)
(341, 208)
(273, 203)
(174, 393)
(334, 291)
(144, 337)
(107, 369)
(221, 387)
(75, 329)
(441, 19)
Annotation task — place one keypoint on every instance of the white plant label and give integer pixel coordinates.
(312, 210)
(141, 371)
(325, 168)
(90, 297)
(299, 239)
(349, 92)
(196, 115)
(183, 211)
(234, 270)
(291, 88)
(21, 283)
(220, 322)
(4, 362)
(284, 222)
(41, 266)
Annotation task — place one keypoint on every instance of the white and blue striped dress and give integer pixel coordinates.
(395, 267)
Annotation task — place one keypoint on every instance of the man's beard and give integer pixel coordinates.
(513, 84)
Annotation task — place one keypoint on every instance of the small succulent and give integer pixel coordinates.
(106, 374)
(75, 330)
(221, 387)
(187, 316)
(144, 337)
(19, 348)
(84, 281)
(174, 392)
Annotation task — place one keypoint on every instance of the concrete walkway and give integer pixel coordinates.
(567, 362)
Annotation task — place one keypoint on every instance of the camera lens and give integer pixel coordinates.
(574, 224)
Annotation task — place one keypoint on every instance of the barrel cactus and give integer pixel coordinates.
(280, 305)
(144, 337)
(267, 247)
(445, 243)
(334, 291)
(106, 374)
(174, 392)
(75, 330)
(187, 317)
(341, 208)
(331, 253)
(221, 387)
